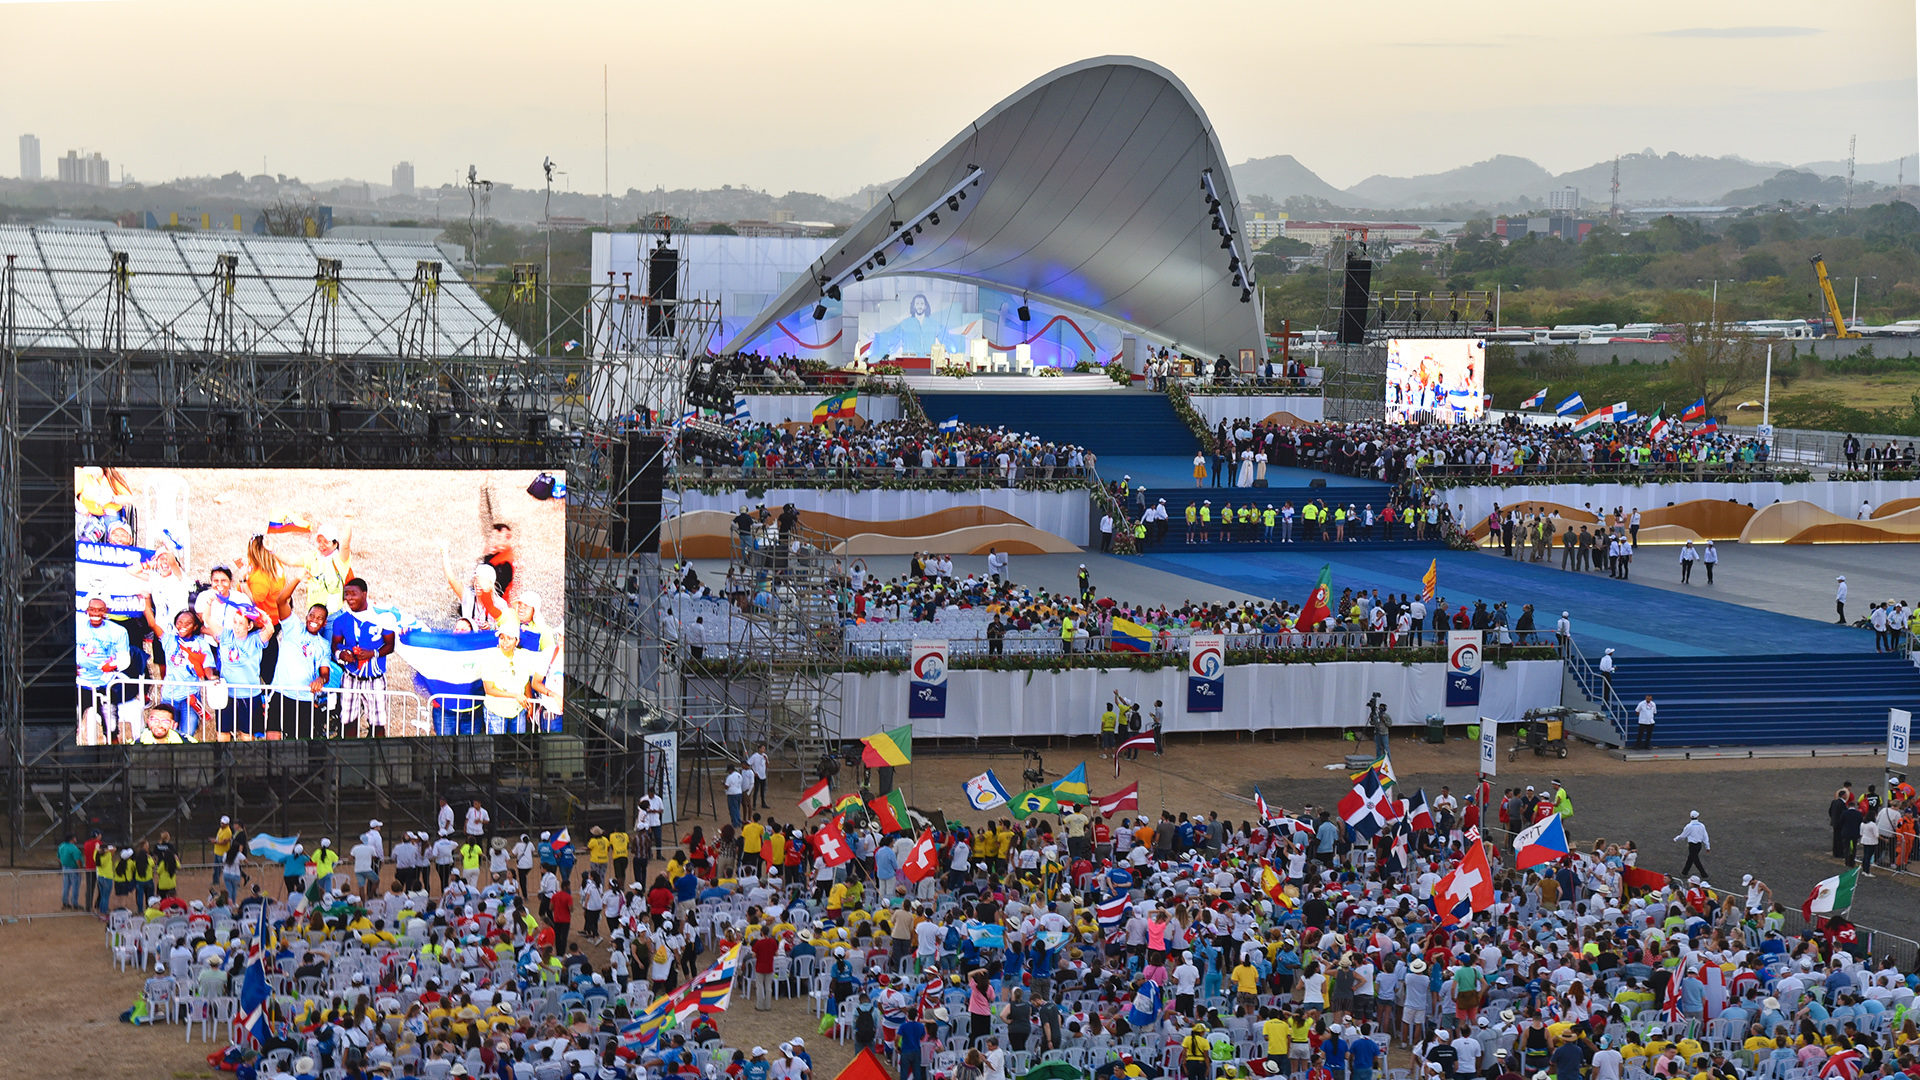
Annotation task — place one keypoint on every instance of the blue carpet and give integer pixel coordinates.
(1177, 472)
(1634, 619)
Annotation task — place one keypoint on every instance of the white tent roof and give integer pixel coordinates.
(1090, 199)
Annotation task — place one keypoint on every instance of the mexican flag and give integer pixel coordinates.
(1831, 895)
(1316, 609)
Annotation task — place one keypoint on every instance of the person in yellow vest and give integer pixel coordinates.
(752, 834)
(1226, 522)
(222, 841)
(1248, 514)
(471, 856)
(773, 850)
(1267, 519)
(1193, 515)
(1139, 535)
(1066, 632)
(1196, 1054)
(1206, 520)
(1310, 518)
(103, 857)
(620, 847)
(1340, 524)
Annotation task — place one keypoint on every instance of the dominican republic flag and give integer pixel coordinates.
(1111, 913)
(816, 798)
(742, 412)
(951, 423)
(1399, 856)
(254, 991)
(1419, 814)
(1260, 806)
(1536, 400)
(1295, 829)
(1695, 411)
(1366, 808)
(572, 344)
(1571, 404)
(1542, 842)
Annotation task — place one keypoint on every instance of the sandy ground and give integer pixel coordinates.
(400, 522)
(1766, 817)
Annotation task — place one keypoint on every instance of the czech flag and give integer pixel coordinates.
(1695, 411)
(839, 406)
(1543, 842)
(1536, 400)
(1130, 636)
(889, 747)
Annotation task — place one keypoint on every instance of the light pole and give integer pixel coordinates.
(546, 281)
(1496, 303)
(1855, 319)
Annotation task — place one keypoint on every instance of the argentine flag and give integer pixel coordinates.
(277, 848)
(742, 412)
(984, 792)
(1573, 404)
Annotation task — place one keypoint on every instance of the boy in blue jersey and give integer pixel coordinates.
(361, 646)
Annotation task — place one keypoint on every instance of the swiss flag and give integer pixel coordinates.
(832, 845)
(923, 861)
(1467, 888)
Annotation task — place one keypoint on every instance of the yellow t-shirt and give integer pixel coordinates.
(223, 840)
(499, 671)
(750, 835)
(1278, 1036)
(620, 845)
(1246, 979)
(598, 848)
(327, 578)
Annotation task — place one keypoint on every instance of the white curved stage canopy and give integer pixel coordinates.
(1099, 188)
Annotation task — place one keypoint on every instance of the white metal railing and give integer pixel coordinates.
(1596, 687)
(254, 710)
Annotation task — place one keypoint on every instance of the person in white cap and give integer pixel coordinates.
(1606, 672)
(1695, 834)
(330, 565)
(1840, 600)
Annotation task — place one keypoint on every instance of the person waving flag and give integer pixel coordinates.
(1536, 400)
(1317, 609)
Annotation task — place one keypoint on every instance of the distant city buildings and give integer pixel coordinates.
(403, 178)
(1262, 226)
(1564, 201)
(1322, 233)
(91, 170)
(29, 157)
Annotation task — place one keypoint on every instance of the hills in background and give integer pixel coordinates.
(1647, 178)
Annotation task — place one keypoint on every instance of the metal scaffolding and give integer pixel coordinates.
(129, 348)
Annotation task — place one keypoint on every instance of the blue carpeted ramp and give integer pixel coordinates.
(1120, 422)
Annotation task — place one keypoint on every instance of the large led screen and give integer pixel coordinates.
(1436, 380)
(239, 604)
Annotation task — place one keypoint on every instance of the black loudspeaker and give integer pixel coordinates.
(1317, 482)
(639, 476)
(1354, 304)
(663, 288)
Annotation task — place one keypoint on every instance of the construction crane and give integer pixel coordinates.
(1833, 302)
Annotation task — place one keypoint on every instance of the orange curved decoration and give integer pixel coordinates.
(827, 344)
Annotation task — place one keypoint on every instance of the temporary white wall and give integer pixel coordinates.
(786, 408)
(1218, 407)
(1063, 513)
(1841, 497)
(998, 704)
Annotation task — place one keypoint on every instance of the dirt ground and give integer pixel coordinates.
(1766, 817)
(400, 521)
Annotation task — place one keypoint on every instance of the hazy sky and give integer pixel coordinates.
(825, 97)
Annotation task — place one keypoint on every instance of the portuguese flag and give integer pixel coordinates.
(1316, 609)
(889, 747)
(890, 810)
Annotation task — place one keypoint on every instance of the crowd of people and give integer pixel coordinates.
(283, 638)
(896, 449)
(1313, 944)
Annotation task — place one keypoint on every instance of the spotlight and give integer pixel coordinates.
(1213, 205)
(1232, 263)
(933, 219)
(916, 226)
(833, 292)
(819, 312)
(1226, 241)
(907, 239)
(859, 275)
(962, 193)
(1025, 313)
(1246, 296)
(880, 257)
(883, 262)
(1237, 283)
(953, 202)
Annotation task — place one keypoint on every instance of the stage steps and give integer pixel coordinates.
(1785, 700)
(1117, 422)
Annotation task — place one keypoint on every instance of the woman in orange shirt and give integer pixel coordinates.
(268, 583)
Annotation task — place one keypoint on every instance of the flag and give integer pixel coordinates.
(1695, 411)
(951, 423)
(1573, 403)
(1364, 808)
(865, 1066)
(850, 801)
(1631, 416)
(1708, 427)
(1542, 842)
(1135, 742)
(1639, 877)
(1831, 895)
(1670, 1004)
(1399, 856)
(1467, 888)
(1130, 636)
(815, 799)
(1618, 410)
(1593, 420)
(1111, 912)
(1843, 1065)
(1430, 581)
(890, 810)
(1381, 770)
(447, 663)
(836, 407)
(1275, 887)
(277, 848)
(742, 410)
(832, 845)
(1660, 425)
(1073, 786)
(888, 747)
(984, 792)
(287, 523)
(562, 840)
(254, 991)
(1419, 814)
(1144, 1010)
(1127, 798)
(571, 344)
(716, 983)
(1316, 609)
(1038, 801)
(1536, 400)
(1260, 806)
(922, 860)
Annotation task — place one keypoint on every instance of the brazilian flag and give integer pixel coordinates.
(1038, 801)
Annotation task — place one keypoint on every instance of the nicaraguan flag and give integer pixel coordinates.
(446, 663)
(1572, 404)
(984, 792)
(951, 423)
(1144, 1011)
(1536, 400)
(277, 848)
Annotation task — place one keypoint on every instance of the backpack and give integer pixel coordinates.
(542, 486)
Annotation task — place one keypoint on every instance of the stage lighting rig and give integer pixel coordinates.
(902, 231)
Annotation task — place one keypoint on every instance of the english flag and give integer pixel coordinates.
(1127, 798)
(1542, 842)
(923, 861)
(832, 845)
(815, 799)
(1466, 889)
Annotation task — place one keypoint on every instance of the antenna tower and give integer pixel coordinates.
(1613, 211)
(1851, 140)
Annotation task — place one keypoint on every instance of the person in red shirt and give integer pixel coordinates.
(89, 858)
(765, 948)
(562, 906)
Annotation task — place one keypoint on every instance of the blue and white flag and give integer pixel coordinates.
(1112, 912)
(951, 423)
(1536, 400)
(448, 663)
(277, 848)
(742, 412)
(111, 572)
(987, 935)
(244, 607)
(984, 792)
(1571, 405)
(1144, 1011)
(254, 990)
(1631, 416)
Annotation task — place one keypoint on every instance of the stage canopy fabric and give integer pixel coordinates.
(1090, 199)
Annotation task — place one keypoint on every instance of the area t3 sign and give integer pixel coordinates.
(1206, 673)
(1463, 668)
(927, 684)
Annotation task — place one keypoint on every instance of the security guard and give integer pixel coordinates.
(1310, 517)
(1193, 515)
(1267, 518)
(1066, 632)
(1206, 520)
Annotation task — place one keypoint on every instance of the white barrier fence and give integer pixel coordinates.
(127, 711)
